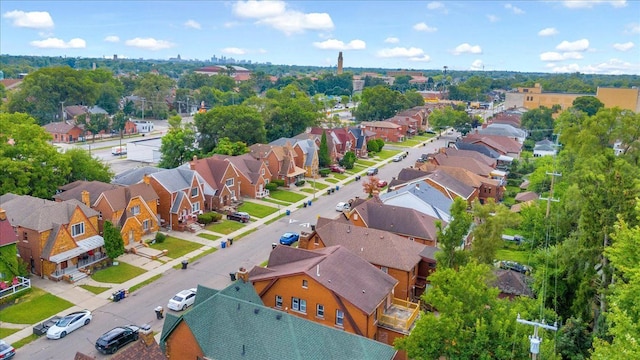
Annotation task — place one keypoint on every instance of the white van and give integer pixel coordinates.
(343, 206)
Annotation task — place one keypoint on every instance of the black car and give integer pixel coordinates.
(239, 216)
(116, 338)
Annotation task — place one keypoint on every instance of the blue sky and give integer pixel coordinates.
(530, 36)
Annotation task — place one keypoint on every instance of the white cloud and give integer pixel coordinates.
(624, 47)
(467, 49)
(424, 27)
(553, 56)
(392, 40)
(516, 10)
(587, 4)
(477, 65)
(234, 51)
(276, 15)
(112, 39)
(578, 45)
(334, 44)
(55, 43)
(149, 43)
(31, 20)
(492, 18)
(230, 24)
(548, 32)
(192, 24)
(611, 67)
(436, 5)
(633, 28)
(401, 52)
(423, 58)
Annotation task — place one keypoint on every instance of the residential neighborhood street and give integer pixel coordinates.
(212, 270)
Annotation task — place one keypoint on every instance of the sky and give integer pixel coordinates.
(594, 36)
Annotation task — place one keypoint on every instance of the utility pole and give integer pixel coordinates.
(143, 100)
(535, 339)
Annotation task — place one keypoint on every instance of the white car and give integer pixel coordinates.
(397, 158)
(68, 324)
(182, 300)
(343, 206)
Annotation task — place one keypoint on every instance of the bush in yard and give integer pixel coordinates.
(160, 237)
(324, 172)
(113, 244)
(372, 146)
(300, 182)
(271, 186)
(380, 144)
(205, 218)
(215, 216)
(348, 160)
(279, 182)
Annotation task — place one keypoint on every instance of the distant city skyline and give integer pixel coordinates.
(593, 36)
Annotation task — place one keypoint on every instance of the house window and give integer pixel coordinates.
(77, 229)
(262, 171)
(194, 192)
(195, 207)
(384, 269)
(299, 305)
(278, 301)
(135, 210)
(145, 225)
(320, 311)
(24, 236)
(229, 182)
(305, 284)
(339, 318)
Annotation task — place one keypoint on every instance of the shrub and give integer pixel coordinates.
(348, 160)
(380, 144)
(279, 182)
(205, 218)
(324, 172)
(215, 216)
(160, 237)
(300, 182)
(271, 186)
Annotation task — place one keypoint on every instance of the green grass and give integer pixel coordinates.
(510, 231)
(95, 289)
(308, 190)
(287, 196)
(385, 154)
(4, 332)
(257, 210)
(245, 234)
(275, 219)
(276, 201)
(209, 236)
(35, 307)
(264, 263)
(144, 283)
(365, 163)
(20, 343)
(117, 274)
(333, 181)
(514, 255)
(320, 186)
(225, 226)
(176, 247)
(340, 176)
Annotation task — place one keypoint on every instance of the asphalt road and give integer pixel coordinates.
(212, 270)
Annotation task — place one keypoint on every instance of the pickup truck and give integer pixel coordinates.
(119, 150)
(242, 217)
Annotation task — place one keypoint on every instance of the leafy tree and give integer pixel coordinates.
(178, 147)
(490, 221)
(237, 123)
(451, 239)
(110, 93)
(113, 244)
(379, 103)
(348, 160)
(288, 112)
(94, 123)
(373, 146)
(539, 122)
(441, 119)
(323, 153)
(226, 147)
(380, 144)
(574, 340)
(413, 99)
(588, 104)
(155, 89)
(85, 167)
(119, 122)
(370, 185)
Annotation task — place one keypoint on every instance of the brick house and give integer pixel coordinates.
(8, 243)
(280, 160)
(306, 153)
(437, 178)
(385, 130)
(234, 324)
(484, 187)
(222, 177)
(340, 139)
(56, 239)
(64, 132)
(253, 174)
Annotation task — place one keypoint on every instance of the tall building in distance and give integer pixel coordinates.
(340, 63)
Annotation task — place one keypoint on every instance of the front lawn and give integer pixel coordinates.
(365, 162)
(176, 247)
(258, 210)
(95, 289)
(225, 226)
(340, 176)
(284, 195)
(519, 256)
(283, 203)
(34, 307)
(333, 181)
(4, 332)
(117, 274)
(385, 154)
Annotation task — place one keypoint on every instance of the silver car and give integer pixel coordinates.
(182, 300)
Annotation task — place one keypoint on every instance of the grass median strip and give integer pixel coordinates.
(95, 289)
(209, 236)
(144, 283)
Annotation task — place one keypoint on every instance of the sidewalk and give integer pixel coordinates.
(84, 299)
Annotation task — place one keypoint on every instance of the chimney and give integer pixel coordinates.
(243, 274)
(86, 199)
(146, 335)
(146, 179)
(3, 214)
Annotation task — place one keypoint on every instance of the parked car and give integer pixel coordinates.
(343, 206)
(397, 158)
(382, 183)
(512, 265)
(182, 300)
(116, 338)
(372, 171)
(69, 323)
(6, 351)
(337, 169)
(289, 238)
(243, 217)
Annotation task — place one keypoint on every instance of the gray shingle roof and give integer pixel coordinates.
(135, 176)
(422, 197)
(234, 324)
(39, 214)
(74, 190)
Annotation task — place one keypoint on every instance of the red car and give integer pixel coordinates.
(337, 169)
(382, 183)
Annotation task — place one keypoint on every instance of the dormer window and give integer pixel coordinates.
(135, 210)
(194, 192)
(229, 182)
(77, 229)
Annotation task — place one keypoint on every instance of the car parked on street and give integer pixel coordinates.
(182, 300)
(398, 158)
(372, 171)
(337, 169)
(243, 217)
(289, 238)
(382, 183)
(116, 338)
(69, 323)
(343, 206)
(6, 351)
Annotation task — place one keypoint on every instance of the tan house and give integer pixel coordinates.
(306, 153)
(59, 240)
(253, 174)
(222, 177)
(280, 160)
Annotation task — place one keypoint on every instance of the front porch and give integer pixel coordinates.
(71, 272)
(262, 194)
(400, 316)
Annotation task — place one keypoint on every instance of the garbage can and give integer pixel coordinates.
(223, 244)
(121, 294)
(232, 276)
(230, 241)
(116, 296)
(304, 204)
(337, 187)
(288, 212)
(273, 245)
(310, 202)
(184, 264)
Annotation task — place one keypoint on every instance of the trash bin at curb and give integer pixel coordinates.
(337, 187)
(304, 204)
(310, 202)
(223, 244)
(184, 264)
(288, 212)
(232, 276)
(230, 241)
(273, 245)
